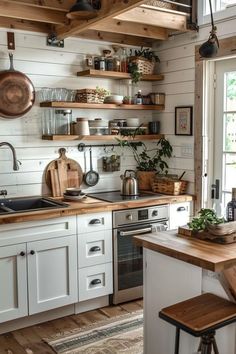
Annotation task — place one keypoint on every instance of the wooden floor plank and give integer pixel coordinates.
(30, 340)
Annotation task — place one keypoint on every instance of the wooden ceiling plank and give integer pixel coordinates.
(133, 29)
(60, 5)
(154, 18)
(116, 38)
(109, 9)
(12, 23)
(31, 13)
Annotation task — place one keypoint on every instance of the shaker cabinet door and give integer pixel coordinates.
(13, 280)
(52, 273)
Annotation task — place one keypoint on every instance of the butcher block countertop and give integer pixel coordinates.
(90, 205)
(204, 254)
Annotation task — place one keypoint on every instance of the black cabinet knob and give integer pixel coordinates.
(22, 254)
(32, 252)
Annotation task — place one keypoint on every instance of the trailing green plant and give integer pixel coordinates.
(150, 159)
(206, 217)
(134, 73)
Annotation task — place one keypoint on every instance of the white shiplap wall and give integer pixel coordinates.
(53, 67)
(178, 66)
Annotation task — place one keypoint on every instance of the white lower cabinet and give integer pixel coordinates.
(38, 267)
(95, 271)
(180, 214)
(95, 281)
(13, 282)
(52, 273)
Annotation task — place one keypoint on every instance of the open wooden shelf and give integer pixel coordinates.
(102, 106)
(101, 137)
(117, 75)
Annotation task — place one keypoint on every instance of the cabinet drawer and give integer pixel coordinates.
(179, 214)
(95, 281)
(94, 248)
(37, 230)
(94, 222)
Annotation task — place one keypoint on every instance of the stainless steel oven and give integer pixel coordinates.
(128, 258)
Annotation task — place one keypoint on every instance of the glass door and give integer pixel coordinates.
(224, 165)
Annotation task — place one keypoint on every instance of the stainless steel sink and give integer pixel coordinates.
(26, 204)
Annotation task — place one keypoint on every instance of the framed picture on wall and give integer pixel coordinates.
(184, 120)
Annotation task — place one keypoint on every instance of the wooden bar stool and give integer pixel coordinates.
(200, 316)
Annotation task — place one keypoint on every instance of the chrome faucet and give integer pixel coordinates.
(15, 161)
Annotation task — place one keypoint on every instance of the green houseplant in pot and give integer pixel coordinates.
(149, 161)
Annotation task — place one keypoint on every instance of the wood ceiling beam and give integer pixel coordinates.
(109, 9)
(31, 13)
(156, 17)
(132, 29)
(116, 38)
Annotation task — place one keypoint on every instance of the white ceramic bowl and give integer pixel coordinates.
(133, 122)
(98, 123)
(118, 99)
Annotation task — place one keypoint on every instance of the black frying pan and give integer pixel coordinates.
(91, 177)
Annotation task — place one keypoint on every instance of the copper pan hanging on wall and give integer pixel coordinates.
(17, 93)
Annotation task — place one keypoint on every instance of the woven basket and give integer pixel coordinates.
(169, 186)
(163, 4)
(89, 96)
(145, 66)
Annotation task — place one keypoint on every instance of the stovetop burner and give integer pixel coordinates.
(116, 196)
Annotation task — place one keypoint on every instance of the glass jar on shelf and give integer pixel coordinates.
(63, 120)
(48, 122)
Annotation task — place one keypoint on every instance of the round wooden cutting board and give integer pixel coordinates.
(63, 173)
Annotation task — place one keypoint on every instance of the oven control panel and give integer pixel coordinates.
(139, 215)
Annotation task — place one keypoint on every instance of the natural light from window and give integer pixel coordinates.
(217, 5)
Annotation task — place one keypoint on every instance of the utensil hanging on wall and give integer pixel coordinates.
(210, 48)
(91, 177)
(17, 93)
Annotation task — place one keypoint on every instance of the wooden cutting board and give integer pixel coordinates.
(63, 173)
(204, 235)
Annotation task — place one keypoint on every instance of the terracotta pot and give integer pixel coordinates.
(145, 179)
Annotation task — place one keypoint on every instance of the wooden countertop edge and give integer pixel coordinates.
(78, 208)
(215, 266)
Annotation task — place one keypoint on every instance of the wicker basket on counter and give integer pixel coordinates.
(89, 96)
(145, 66)
(169, 186)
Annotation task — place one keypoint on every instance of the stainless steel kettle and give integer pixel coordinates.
(129, 183)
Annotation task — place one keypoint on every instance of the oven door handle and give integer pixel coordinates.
(135, 232)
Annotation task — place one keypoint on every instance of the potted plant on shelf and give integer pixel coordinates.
(149, 161)
(143, 62)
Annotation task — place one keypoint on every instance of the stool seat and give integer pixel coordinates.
(200, 314)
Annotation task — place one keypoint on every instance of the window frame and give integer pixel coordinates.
(229, 12)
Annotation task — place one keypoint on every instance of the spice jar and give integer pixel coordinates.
(63, 119)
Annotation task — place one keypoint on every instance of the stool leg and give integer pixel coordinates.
(177, 334)
(215, 346)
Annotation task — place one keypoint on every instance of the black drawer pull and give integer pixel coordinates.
(96, 282)
(22, 254)
(32, 252)
(181, 208)
(95, 249)
(95, 222)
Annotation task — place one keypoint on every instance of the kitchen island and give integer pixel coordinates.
(175, 269)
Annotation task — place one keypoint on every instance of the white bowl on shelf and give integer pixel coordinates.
(98, 123)
(117, 99)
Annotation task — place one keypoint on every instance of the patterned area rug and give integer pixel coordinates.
(122, 334)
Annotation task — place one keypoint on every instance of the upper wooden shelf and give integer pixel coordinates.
(117, 75)
(102, 106)
(102, 137)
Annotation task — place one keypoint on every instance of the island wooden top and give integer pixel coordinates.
(90, 205)
(204, 254)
